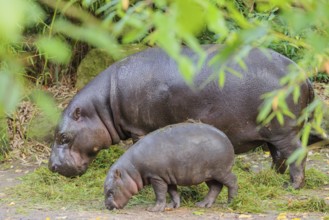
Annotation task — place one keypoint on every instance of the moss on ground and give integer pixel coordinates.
(258, 192)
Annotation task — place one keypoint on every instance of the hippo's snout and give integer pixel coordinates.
(67, 170)
(53, 167)
(67, 163)
(110, 204)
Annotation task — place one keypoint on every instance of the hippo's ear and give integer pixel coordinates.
(77, 114)
(117, 174)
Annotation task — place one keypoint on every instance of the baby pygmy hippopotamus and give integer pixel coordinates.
(183, 154)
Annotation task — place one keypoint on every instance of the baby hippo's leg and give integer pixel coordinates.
(175, 200)
(214, 189)
(231, 182)
(160, 189)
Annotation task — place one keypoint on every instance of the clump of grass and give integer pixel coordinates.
(315, 179)
(192, 194)
(256, 190)
(268, 178)
(188, 195)
(313, 204)
(54, 191)
(145, 196)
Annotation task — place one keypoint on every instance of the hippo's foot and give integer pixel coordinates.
(173, 205)
(204, 204)
(298, 183)
(294, 184)
(159, 207)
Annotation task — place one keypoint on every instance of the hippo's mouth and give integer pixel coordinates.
(68, 170)
(67, 162)
(110, 205)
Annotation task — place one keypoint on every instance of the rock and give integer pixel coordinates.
(41, 129)
(98, 60)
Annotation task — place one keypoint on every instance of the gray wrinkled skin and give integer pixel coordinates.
(182, 154)
(145, 92)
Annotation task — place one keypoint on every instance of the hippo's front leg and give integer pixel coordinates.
(214, 189)
(278, 163)
(160, 189)
(286, 147)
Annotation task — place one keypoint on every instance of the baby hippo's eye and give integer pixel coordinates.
(109, 194)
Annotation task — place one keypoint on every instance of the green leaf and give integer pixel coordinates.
(264, 110)
(280, 118)
(47, 105)
(10, 92)
(91, 34)
(216, 21)
(233, 71)
(288, 113)
(198, 213)
(15, 15)
(296, 155)
(185, 66)
(190, 16)
(269, 118)
(134, 35)
(319, 43)
(306, 133)
(296, 94)
(221, 78)
(54, 49)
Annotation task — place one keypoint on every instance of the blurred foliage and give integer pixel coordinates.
(297, 29)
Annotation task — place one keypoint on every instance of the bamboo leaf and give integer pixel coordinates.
(296, 94)
(280, 118)
(306, 134)
(221, 78)
(54, 49)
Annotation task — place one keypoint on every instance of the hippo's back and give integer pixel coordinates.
(182, 153)
(148, 92)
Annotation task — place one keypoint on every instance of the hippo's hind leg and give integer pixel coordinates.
(286, 147)
(160, 188)
(175, 200)
(230, 181)
(278, 162)
(214, 189)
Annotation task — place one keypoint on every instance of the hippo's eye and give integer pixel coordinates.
(64, 139)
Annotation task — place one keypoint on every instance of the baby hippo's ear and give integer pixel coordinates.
(77, 114)
(117, 174)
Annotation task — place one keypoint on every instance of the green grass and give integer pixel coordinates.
(55, 191)
(258, 192)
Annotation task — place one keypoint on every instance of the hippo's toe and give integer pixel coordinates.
(157, 208)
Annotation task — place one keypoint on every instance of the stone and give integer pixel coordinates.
(98, 60)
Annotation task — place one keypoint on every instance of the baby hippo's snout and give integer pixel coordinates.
(110, 204)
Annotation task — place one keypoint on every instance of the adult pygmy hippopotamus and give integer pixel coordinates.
(145, 91)
(182, 154)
